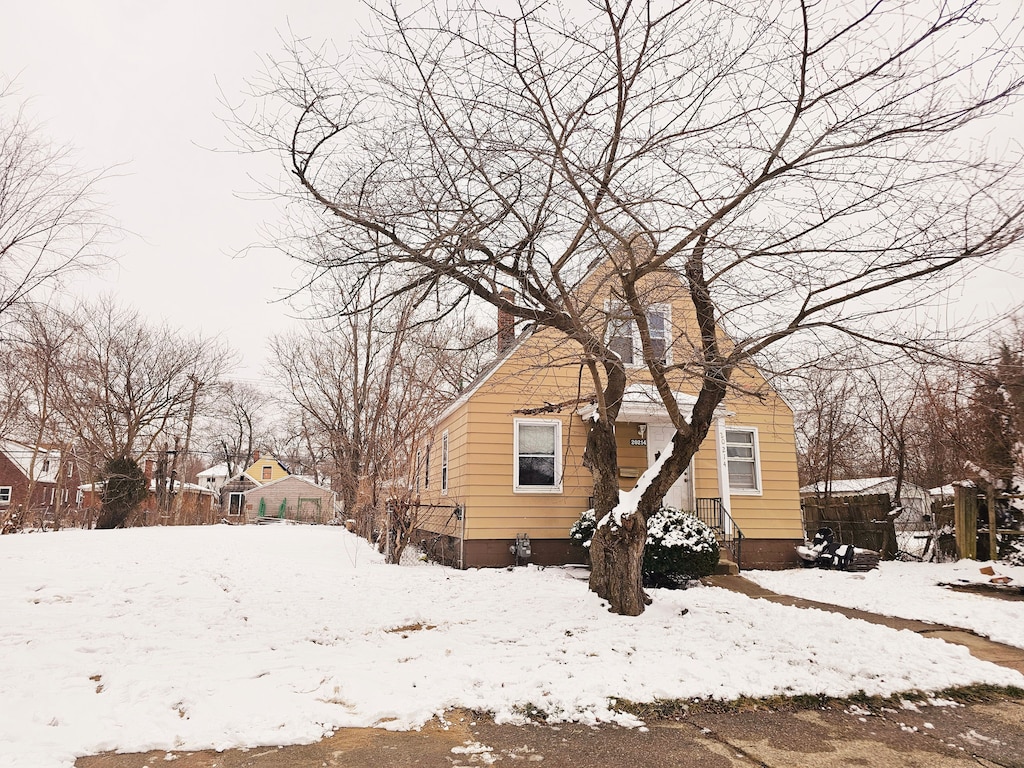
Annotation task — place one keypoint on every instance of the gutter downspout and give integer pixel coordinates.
(723, 475)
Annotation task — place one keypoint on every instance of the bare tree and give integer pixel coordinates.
(131, 384)
(361, 387)
(797, 168)
(239, 424)
(51, 223)
(826, 424)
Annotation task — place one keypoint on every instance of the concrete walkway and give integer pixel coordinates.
(980, 647)
(833, 735)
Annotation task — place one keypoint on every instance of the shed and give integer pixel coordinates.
(291, 498)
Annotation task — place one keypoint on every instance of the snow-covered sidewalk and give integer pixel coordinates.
(188, 638)
(911, 591)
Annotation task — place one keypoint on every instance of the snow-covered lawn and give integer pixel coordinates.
(912, 591)
(187, 638)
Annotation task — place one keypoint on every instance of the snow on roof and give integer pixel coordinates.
(218, 470)
(642, 401)
(854, 485)
(864, 485)
(179, 485)
(47, 460)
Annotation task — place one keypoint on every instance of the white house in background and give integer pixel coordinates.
(213, 479)
(915, 500)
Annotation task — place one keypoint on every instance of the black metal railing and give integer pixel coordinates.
(715, 516)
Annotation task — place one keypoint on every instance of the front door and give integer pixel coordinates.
(680, 495)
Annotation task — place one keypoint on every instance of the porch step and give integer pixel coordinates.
(726, 567)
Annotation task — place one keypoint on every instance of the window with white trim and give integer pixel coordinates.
(444, 462)
(236, 503)
(624, 336)
(5, 494)
(741, 455)
(538, 464)
(426, 466)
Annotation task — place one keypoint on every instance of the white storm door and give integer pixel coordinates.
(680, 495)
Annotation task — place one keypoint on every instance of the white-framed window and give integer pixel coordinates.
(5, 494)
(71, 468)
(268, 472)
(624, 336)
(426, 466)
(538, 462)
(236, 503)
(64, 496)
(416, 469)
(743, 460)
(79, 498)
(444, 462)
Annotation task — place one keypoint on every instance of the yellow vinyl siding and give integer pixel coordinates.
(255, 471)
(775, 513)
(545, 369)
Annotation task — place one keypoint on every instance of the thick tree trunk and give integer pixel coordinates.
(616, 551)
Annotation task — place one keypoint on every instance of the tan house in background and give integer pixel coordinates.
(291, 498)
(506, 459)
(264, 469)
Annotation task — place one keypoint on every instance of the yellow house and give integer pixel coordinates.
(266, 469)
(506, 456)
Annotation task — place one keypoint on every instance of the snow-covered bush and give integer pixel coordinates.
(678, 543)
(582, 530)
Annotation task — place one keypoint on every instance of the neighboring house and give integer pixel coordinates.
(507, 462)
(264, 469)
(915, 500)
(194, 504)
(213, 479)
(291, 498)
(56, 479)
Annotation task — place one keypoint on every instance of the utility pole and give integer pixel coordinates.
(174, 474)
(196, 384)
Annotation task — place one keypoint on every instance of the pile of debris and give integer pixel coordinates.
(825, 552)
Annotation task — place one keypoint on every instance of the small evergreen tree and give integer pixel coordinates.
(124, 488)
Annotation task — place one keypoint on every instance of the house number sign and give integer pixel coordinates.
(637, 442)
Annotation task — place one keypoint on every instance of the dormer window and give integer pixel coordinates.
(624, 336)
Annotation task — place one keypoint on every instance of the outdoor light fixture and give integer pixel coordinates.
(641, 429)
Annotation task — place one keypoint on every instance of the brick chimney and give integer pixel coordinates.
(148, 470)
(255, 456)
(506, 325)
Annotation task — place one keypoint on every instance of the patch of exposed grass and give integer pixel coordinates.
(411, 627)
(677, 709)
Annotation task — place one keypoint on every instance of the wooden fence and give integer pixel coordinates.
(982, 517)
(863, 521)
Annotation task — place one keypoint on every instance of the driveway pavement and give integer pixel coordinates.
(943, 735)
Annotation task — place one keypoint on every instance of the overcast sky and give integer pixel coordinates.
(137, 85)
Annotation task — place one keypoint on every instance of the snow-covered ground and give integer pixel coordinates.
(912, 591)
(187, 638)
